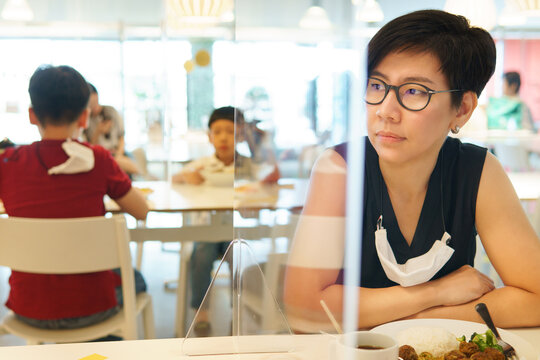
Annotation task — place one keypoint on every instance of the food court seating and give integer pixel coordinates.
(70, 246)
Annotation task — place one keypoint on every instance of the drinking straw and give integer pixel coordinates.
(331, 317)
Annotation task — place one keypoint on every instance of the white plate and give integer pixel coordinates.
(524, 350)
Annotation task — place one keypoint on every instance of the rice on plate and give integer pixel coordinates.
(436, 341)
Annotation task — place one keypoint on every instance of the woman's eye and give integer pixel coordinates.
(414, 92)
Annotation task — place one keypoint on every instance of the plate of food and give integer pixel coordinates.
(440, 336)
(222, 178)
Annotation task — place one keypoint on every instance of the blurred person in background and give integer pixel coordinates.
(223, 124)
(509, 111)
(106, 128)
(227, 162)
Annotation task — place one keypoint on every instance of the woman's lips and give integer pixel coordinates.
(389, 137)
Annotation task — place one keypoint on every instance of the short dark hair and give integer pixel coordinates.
(227, 113)
(59, 94)
(467, 54)
(513, 78)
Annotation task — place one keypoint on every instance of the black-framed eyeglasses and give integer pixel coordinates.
(411, 96)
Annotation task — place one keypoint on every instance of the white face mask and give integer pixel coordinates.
(80, 159)
(416, 270)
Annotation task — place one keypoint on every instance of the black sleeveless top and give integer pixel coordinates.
(457, 174)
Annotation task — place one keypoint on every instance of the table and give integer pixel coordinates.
(306, 347)
(526, 184)
(166, 197)
(489, 138)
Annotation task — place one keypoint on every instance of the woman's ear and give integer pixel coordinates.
(468, 104)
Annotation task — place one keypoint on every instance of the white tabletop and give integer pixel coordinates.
(164, 196)
(526, 184)
(525, 138)
(308, 347)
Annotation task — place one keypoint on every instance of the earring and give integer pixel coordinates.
(455, 130)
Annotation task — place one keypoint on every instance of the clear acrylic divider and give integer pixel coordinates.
(255, 314)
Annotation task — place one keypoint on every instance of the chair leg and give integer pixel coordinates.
(148, 321)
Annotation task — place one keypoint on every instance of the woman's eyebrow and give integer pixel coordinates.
(407, 79)
(376, 73)
(418, 78)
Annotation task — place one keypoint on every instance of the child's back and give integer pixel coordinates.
(58, 177)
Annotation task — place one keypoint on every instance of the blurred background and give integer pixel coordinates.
(290, 65)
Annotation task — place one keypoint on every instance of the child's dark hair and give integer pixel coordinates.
(59, 94)
(513, 78)
(467, 54)
(227, 113)
(92, 88)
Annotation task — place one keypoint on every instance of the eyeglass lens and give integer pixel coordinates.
(412, 96)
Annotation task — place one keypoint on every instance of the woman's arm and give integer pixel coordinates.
(512, 247)
(317, 256)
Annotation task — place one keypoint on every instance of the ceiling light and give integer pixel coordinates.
(17, 10)
(199, 12)
(512, 15)
(315, 18)
(481, 13)
(370, 12)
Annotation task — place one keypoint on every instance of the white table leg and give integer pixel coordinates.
(181, 289)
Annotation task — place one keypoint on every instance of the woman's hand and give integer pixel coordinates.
(462, 286)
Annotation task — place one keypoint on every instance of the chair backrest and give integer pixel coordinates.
(71, 246)
(64, 246)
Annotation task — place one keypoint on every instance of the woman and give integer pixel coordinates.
(426, 195)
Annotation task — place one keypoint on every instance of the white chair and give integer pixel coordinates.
(70, 246)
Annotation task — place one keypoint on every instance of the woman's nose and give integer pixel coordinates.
(390, 107)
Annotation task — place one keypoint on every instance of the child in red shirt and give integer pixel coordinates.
(60, 177)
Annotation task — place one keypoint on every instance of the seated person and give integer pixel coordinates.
(60, 177)
(425, 72)
(106, 128)
(221, 134)
(509, 111)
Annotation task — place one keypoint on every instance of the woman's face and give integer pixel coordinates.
(400, 135)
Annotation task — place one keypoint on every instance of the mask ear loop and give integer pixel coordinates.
(380, 219)
(441, 189)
